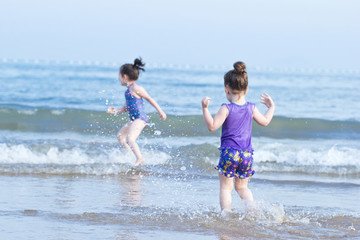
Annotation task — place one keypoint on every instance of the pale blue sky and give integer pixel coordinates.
(278, 33)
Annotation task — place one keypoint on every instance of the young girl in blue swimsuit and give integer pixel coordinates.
(235, 118)
(134, 96)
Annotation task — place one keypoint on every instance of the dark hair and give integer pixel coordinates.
(237, 79)
(132, 70)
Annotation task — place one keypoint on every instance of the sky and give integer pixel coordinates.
(267, 33)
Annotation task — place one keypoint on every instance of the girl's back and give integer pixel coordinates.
(237, 128)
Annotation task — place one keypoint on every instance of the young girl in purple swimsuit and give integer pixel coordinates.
(134, 96)
(235, 118)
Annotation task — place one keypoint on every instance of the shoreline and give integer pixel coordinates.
(140, 206)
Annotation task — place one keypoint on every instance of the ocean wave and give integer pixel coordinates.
(24, 83)
(183, 156)
(294, 157)
(314, 158)
(97, 122)
(39, 159)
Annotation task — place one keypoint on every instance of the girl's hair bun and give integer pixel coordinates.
(240, 67)
(237, 78)
(139, 64)
(132, 70)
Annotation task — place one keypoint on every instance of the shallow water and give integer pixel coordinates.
(141, 206)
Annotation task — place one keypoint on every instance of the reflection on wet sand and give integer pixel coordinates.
(131, 185)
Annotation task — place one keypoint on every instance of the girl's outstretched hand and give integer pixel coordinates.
(162, 115)
(111, 110)
(205, 102)
(267, 100)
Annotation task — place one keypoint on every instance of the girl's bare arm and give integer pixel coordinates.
(143, 93)
(213, 123)
(264, 119)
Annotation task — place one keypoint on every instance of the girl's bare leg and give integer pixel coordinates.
(226, 186)
(241, 187)
(122, 136)
(134, 131)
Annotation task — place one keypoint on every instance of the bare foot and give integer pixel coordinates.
(139, 162)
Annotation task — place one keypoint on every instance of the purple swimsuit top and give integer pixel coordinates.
(237, 128)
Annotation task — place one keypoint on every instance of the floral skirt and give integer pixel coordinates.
(235, 163)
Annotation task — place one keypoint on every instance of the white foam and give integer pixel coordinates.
(21, 154)
(27, 112)
(301, 156)
(57, 112)
(266, 213)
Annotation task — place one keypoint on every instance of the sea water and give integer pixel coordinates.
(63, 175)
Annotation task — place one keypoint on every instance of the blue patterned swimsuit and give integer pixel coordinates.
(135, 107)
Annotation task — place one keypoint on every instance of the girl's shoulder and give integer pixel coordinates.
(250, 106)
(231, 104)
(135, 88)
